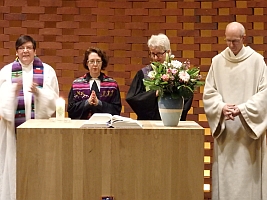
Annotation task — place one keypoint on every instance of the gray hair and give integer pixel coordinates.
(160, 41)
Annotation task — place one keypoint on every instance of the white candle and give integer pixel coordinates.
(60, 109)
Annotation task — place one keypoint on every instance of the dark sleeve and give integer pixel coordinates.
(113, 107)
(144, 104)
(77, 110)
(187, 106)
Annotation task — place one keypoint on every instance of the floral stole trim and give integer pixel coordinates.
(16, 76)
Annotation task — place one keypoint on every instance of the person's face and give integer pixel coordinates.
(26, 53)
(94, 64)
(157, 55)
(234, 40)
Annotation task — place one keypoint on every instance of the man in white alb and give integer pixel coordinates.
(235, 102)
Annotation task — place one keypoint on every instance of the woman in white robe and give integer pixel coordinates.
(44, 106)
(235, 102)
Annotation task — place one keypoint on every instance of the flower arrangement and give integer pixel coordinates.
(173, 77)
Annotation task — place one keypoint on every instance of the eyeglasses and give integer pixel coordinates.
(234, 42)
(27, 48)
(159, 54)
(92, 62)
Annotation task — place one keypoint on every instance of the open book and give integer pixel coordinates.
(106, 120)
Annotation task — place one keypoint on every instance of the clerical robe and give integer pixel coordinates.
(109, 100)
(44, 106)
(239, 170)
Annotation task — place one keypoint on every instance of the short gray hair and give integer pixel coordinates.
(160, 41)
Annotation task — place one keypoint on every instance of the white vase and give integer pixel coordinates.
(170, 109)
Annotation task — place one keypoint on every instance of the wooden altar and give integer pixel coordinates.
(57, 160)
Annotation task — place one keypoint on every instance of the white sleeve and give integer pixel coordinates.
(8, 100)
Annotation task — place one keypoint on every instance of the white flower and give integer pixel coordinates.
(151, 74)
(184, 76)
(176, 64)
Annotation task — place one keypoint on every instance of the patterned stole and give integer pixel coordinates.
(82, 91)
(16, 76)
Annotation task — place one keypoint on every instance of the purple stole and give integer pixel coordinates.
(81, 89)
(16, 75)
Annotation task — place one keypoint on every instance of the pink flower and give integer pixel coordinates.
(174, 71)
(186, 65)
(165, 77)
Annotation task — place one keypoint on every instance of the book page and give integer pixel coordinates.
(124, 122)
(100, 118)
(106, 120)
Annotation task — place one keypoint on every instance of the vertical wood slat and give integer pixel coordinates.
(60, 161)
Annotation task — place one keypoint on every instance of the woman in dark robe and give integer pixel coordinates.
(145, 103)
(94, 92)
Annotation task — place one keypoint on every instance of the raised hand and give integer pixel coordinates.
(33, 88)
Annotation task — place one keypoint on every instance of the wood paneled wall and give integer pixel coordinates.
(64, 29)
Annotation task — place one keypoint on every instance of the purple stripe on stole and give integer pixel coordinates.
(37, 62)
(38, 71)
(110, 87)
(80, 85)
(17, 79)
(32, 115)
(19, 121)
(74, 89)
(20, 93)
(105, 86)
(16, 67)
(21, 105)
(38, 78)
(108, 84)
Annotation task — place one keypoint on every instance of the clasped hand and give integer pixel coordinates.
(93, 100)
(230, 111)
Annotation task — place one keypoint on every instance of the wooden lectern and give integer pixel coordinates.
(57, 160)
